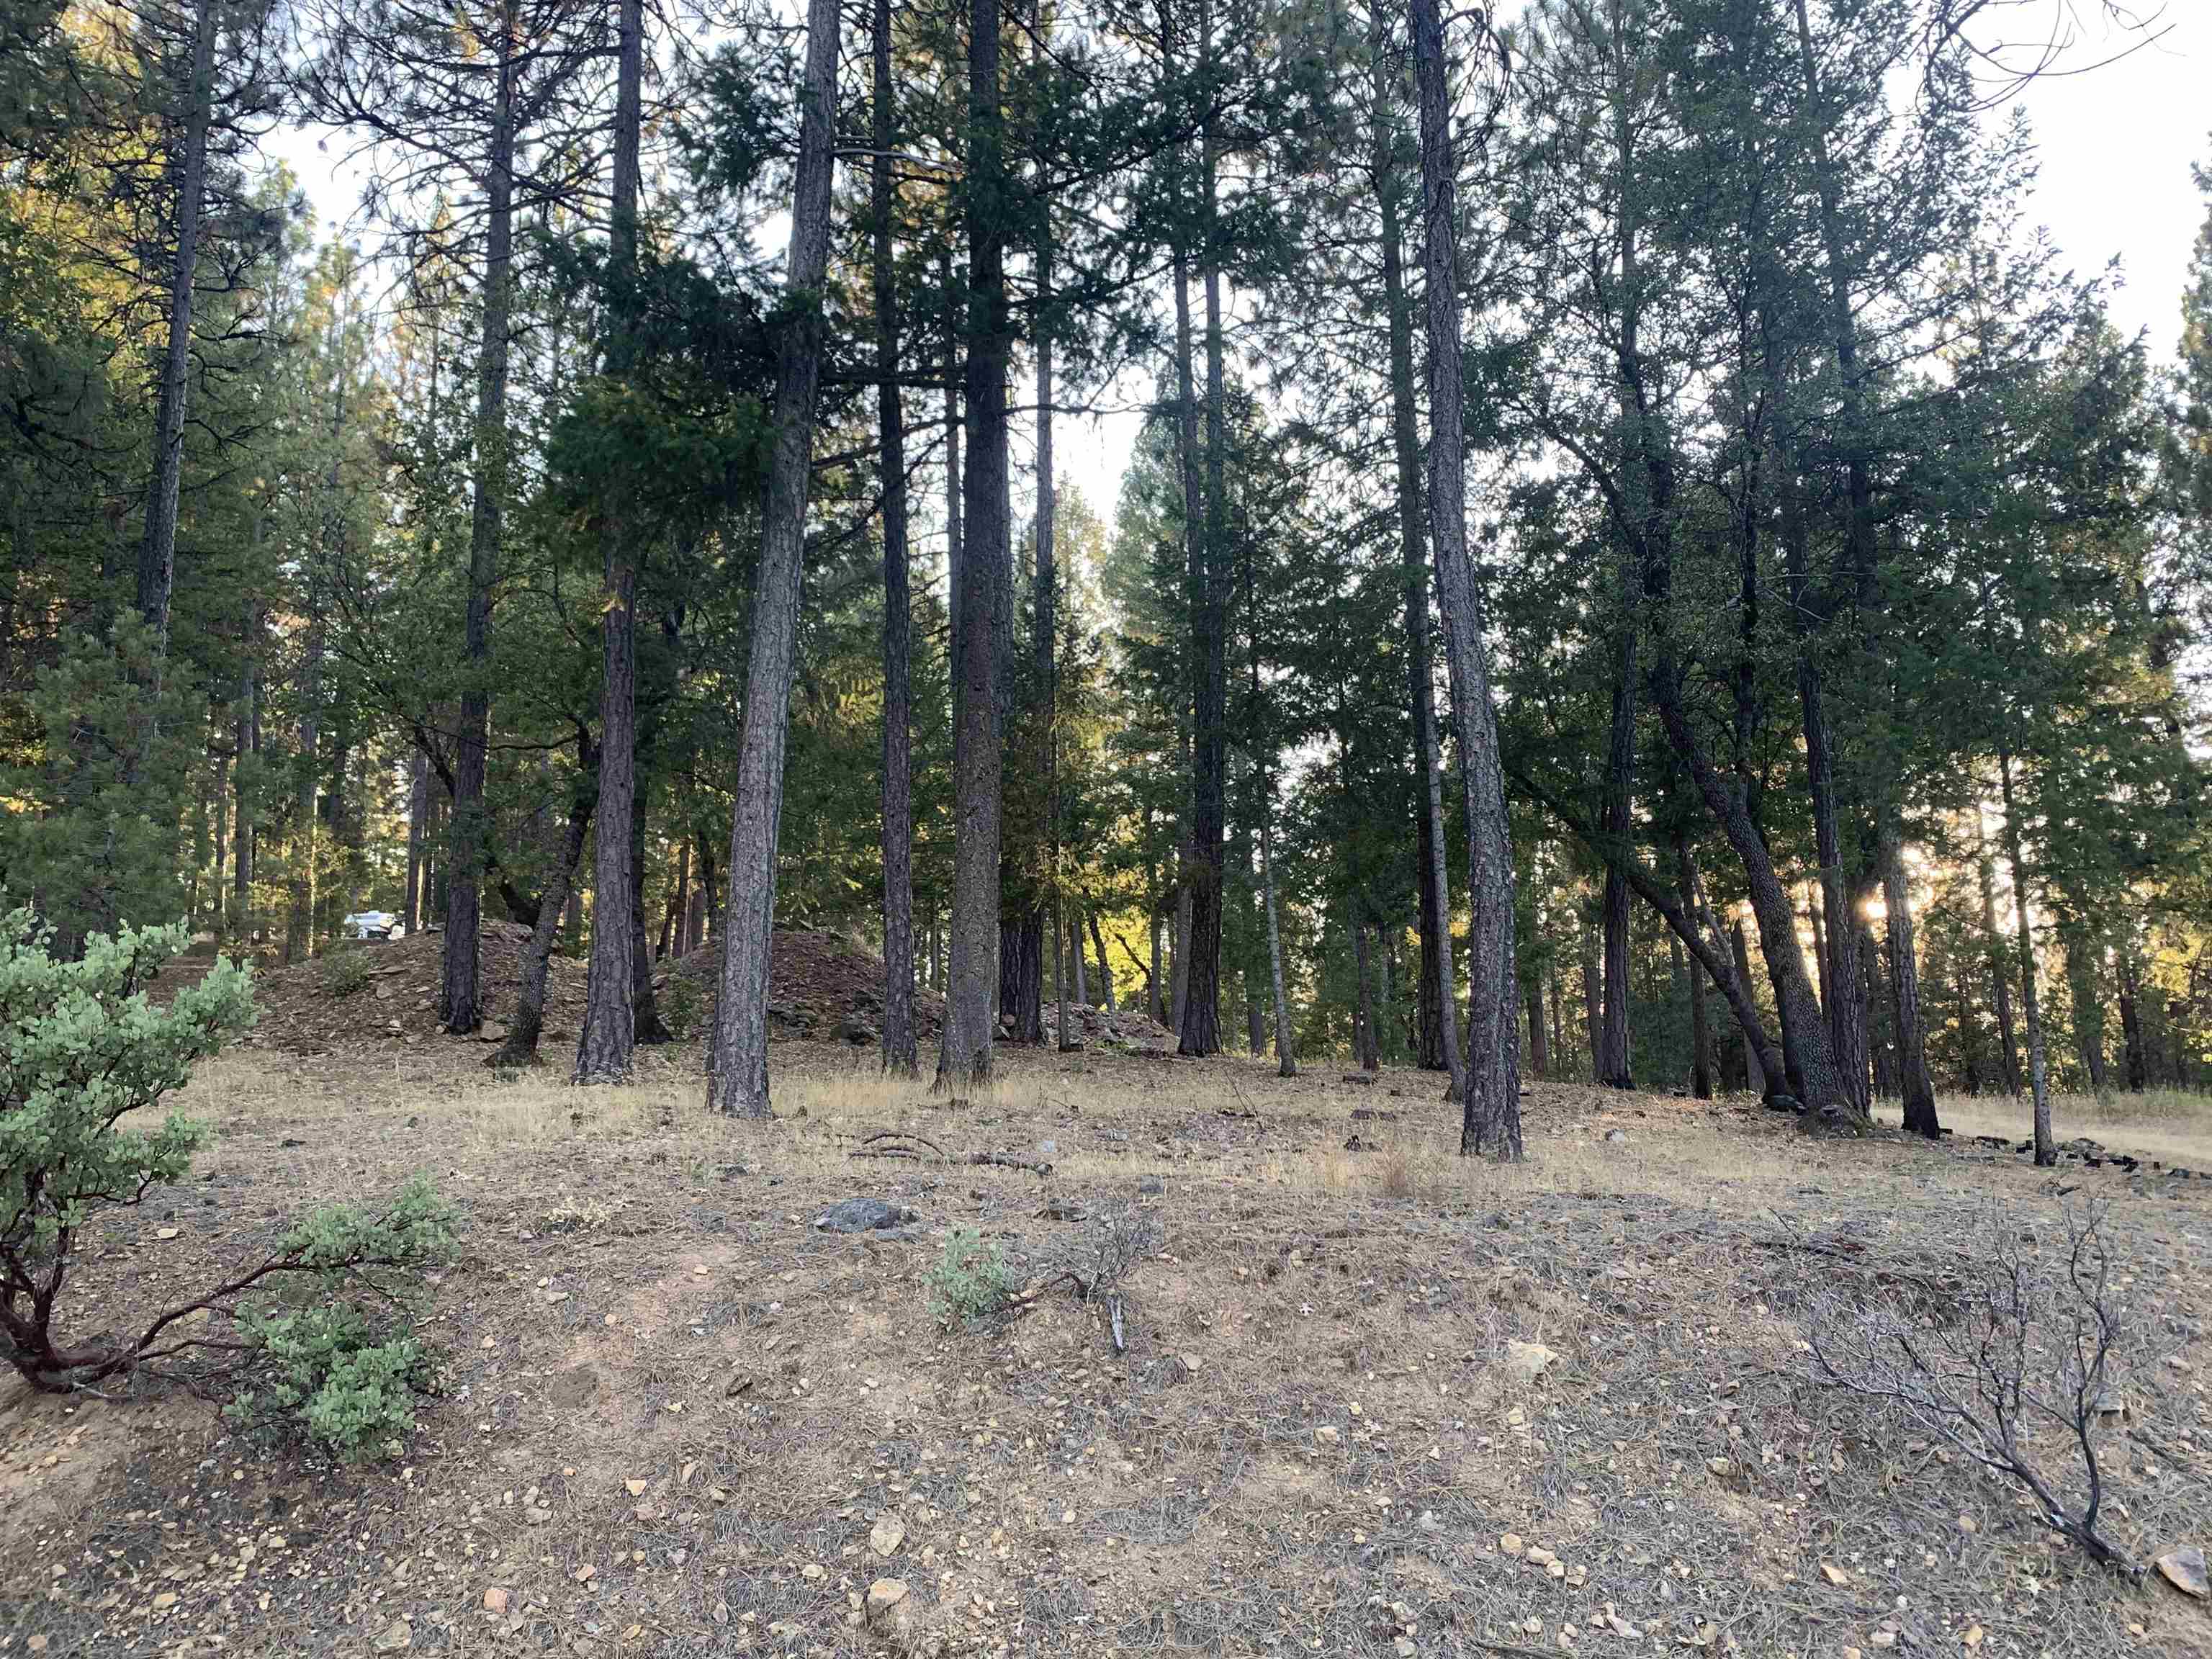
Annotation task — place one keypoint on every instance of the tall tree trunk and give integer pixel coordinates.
(1491, 1107)
(1363, 1013)
(964, 1044)
(1612, 1065)
(608, 1038)
(246, 742)
(1200, 1026)
(1153, 995)
(1540, 1053)
(1807, 1053)
(2000, 975)
(1439, 1033)
(1081, 957)
(2080, 949)
(157, 549)
(418, 808)
(675, 920)
(1915, 1087)
(645, 1010)
(737, 1083)
(1105, 968)
(299, 907)
(1286, 1059)
(2131, 1022)
(2039, 1072)
(899, 1051)
(1592, 999)
(1755, 1076)
(461, 996)
(1701, 1034)
(520, 1048)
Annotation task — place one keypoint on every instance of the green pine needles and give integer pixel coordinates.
(315, 1339)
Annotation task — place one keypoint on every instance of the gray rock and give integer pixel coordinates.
(1617, 1137)
(1151, 1186)
(2184, 1568)
(862, 1215)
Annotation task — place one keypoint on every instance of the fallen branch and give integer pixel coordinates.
(889, 1143)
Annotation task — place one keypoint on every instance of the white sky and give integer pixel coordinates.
(2115, 146)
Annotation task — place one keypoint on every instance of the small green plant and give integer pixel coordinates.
(315, 1336)
(685, 1006)
(344, 974)
(969, 1281)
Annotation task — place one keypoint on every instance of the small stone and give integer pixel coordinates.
(862, 1215)
(166, 1599)
(634, 1488)
(165, 1232)
(1720, 1466)
(395, 1638)
(1538, 1556)
(1191, 1363)
(1402, 1648)
(1616, 1137)
(1968, 1525)
(2184, 1568)
(1972, 1638)
(887, 1535)
(1529, 1360)
(1509, 1543)
(537, 1515)
(495, 1599)
(886, 1609)
(811, 1571)
(1834, 1574)
(1327, 1434)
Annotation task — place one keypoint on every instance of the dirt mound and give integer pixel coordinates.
(822, 986)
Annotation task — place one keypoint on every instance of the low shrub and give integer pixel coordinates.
(971, 1281)
(344, 974)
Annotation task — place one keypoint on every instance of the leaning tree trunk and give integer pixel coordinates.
(157, 549)
(2039, 1073)
(1491, 1107)
(963, 1054)
(607, 1039)
(738, 1080)
(1916, 1088)
(520, 1048)
(1812, 1068)
(1438, 1034)
(461, 997)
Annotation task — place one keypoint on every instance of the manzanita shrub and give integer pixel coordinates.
(314, 1336)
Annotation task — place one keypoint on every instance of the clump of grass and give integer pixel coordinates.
(970, 1282)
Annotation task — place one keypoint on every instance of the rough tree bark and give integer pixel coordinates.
(520, 1048)
(898, 1051)
(2038, 1073)
(1439, 1033)
(1915, 1087)
(157, 549)
(964, 1043)
(461, 996)
(1701, 1034)
(737, 1083)
(1490, 1103)
(607, 1040)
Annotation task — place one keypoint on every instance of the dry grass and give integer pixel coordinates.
(1312, 1444)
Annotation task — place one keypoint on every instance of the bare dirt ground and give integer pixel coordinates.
(678, 1420)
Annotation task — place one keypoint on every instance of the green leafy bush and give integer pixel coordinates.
(344, 974)
(971, 1281)
(85, 1048)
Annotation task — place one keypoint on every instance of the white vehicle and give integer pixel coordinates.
(370, 924)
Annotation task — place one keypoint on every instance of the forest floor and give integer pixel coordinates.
(678, 1419)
